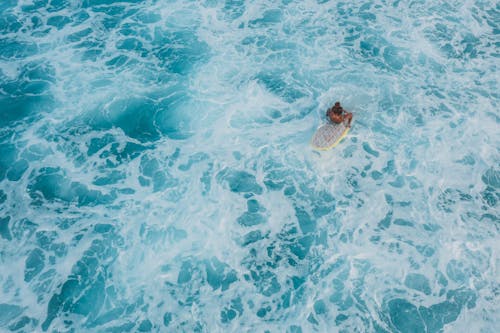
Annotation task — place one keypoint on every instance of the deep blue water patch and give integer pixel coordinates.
(239, 181)
(27, 94)
(178, 51)
(52, 185)
(83, 292)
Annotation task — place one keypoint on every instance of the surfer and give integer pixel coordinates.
(338, 115)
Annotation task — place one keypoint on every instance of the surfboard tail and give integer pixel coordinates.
(328, 136)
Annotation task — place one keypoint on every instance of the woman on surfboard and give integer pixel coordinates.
(338, 115)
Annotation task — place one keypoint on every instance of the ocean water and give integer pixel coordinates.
(156, 173)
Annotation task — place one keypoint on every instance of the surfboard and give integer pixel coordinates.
(329, 135)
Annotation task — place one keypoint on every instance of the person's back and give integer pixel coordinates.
(337, 114)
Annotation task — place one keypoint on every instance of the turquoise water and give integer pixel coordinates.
(156, 174)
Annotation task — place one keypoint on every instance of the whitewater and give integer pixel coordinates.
(156, 173)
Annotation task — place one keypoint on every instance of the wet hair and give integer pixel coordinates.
(337, 109)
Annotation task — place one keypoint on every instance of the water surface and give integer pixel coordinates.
(156, 174)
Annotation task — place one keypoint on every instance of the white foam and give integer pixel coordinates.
(230, 113)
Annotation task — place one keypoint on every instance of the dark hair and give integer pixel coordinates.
(337, 109)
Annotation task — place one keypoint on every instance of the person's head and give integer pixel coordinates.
(337, 108)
